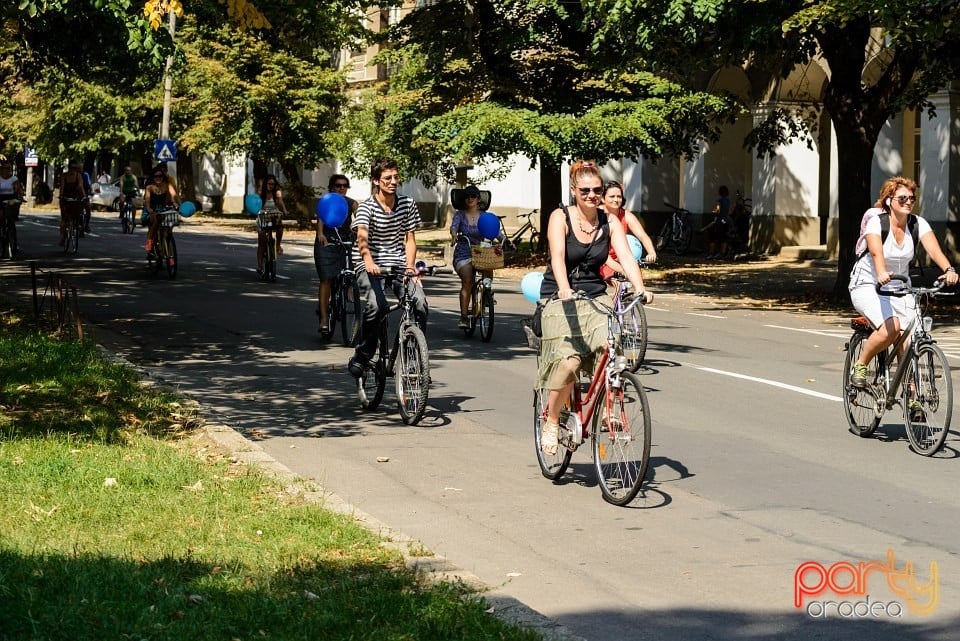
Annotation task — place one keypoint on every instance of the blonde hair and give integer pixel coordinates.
(583, 169)
(890, 187)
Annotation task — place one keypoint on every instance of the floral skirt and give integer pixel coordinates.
(570, 328)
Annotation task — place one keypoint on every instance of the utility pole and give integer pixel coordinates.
(168, 88)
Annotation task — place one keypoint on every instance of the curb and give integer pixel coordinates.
(433, 569)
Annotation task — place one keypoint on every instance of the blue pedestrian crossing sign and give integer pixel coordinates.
(165, 149)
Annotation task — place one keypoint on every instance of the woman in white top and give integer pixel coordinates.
(880, 259)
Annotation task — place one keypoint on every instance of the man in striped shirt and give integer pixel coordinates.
(385, 225)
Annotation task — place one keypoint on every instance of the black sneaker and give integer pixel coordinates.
(357, 365)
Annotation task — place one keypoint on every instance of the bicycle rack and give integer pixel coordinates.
(56, 308)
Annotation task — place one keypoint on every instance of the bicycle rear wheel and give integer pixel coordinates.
(485, 298)
(860, 404)
(666, 234)
(351, 315)
(633, 337)
(928, 383)
(170, 255)
(552, 466)
(534, 241)
(412, 374)
(621, 440)
(682, 239)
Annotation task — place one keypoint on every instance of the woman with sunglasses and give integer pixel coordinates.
(881, 256)
(328, 256)
(272, 199)
(580, 238)
(465, 226)
(159, 194)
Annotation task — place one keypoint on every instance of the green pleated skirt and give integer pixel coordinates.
(570, 328)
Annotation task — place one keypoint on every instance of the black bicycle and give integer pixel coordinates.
(8, 228)
(345, 306)
(164, 252)
(127, 218)
(75, 212)
(269, 221)
(480, 312)
(512, 242)
(676, 234)
(408, 359)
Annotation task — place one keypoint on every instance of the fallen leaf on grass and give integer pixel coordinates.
(109, 482)
(196, 487)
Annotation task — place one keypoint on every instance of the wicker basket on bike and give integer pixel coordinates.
(269, 218)
(485, 258)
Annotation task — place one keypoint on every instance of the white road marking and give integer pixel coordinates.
(792, 388)
(705, 315)
(837, 333)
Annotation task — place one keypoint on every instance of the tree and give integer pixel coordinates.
(487, 80)
(882, 58)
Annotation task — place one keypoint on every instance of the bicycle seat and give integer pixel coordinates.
(860, 323)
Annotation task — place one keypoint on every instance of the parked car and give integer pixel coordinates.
(107, 196)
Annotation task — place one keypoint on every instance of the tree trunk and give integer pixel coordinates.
(297, 196)
(854, 160)
(186, 183)
(551, 186)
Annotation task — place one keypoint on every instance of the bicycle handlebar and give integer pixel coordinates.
(903, 291)
(600, 307)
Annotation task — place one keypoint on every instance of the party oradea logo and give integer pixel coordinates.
(865, 589)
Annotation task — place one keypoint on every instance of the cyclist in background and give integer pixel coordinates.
(71, 186)
(128, 187)
(327, 257)
(465, 223)
(880, 257)
(10, 188)
(88, 187)
(158, 195)
(613, 206)
(385, 224)
(272, 199)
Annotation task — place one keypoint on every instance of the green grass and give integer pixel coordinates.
(116, 523)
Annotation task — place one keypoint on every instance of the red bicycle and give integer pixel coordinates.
(610, 407)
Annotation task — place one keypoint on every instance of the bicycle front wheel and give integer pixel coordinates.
(486, 314)
(633, 337)
(534, 242)
(928, 400)
(860, 404)
(666, 233)
(552, 466)
(621, 440)
(412, 374)
(351, 311)
(170, 255)
(473, 310)
(270, 264)
(371, 385)
(72, 244)
(683, 239)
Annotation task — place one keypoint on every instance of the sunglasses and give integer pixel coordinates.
(585, 191)
(471, 196)
(903, 200)
(342, 186)
(155, 176)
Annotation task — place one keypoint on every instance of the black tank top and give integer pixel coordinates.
(583, 260)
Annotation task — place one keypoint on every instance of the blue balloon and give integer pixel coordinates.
(635, 247)
(488, 225)
(187, 209)
(530, 286)
(253, 204)
(332, 209)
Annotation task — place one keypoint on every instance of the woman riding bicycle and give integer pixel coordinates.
(158, 195)
(71, 186)
(613, 206)
(579, 238)
(272, 199)
(880, 257)
(464, 225)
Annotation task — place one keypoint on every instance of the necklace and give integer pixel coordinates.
(593, 227)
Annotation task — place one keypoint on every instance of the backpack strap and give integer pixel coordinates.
(912, 227)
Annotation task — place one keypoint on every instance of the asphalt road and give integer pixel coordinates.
(753, 471)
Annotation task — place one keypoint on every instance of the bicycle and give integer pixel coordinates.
(480, 312)
(269, 220)
(164, 252)
(676, 233)
(345, 307)
(512, 242)
(73, 225)
(612, 411)
(408, 359)
(127, 219)
(633, 324)
(921, 383)
(8, 228)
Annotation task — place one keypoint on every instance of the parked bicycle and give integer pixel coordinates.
(407, 360)
(73, 224)
(632, 331)
(676, 234)
(480, 309)
(345, 307)
(164, 253)
(610, 407)
(513, 242)
(8, 228)
(127, 218)
(920, 384)
(269, 222)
